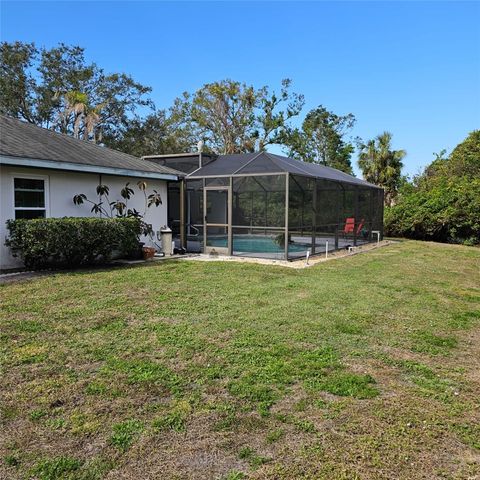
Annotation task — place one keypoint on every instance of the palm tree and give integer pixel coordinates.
(73, 111)
(82, 114)
(92, 119)
(381, 165)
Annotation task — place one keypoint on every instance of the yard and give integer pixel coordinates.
(365, 367)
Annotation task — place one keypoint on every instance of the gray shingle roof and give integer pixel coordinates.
(264, 162)
(27, 141)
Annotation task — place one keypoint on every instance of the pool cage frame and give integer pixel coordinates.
(295, 210)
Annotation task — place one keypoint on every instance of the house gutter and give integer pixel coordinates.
(83, 168)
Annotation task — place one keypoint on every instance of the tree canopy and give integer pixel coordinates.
(321, 139)
(157, 133)
(381, 165)
(56, 88)
(233, 117)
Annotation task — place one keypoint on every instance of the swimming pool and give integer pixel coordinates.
(254, 244)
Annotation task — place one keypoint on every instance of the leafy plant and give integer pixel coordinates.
(426, 342)
(124, 433)
(37, 414)
(442, 203)
(71, 242)
(119, 208)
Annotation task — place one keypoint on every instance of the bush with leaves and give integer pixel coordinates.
(72, 242)
(443, 203)
(449, 212)
(119, 208)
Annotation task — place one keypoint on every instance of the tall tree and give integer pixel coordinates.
(55, 88)
(381, 165)
(233, 117)
(465, 157)
(17, 86)
(321, 139)
(157, 133)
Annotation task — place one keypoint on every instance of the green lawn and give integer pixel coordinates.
(362, 367)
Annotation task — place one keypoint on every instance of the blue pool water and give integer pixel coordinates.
(254, 244)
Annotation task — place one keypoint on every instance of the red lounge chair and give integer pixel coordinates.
(360, 226)
(349, 225)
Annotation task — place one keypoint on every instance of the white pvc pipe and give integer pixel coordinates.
(326, 249)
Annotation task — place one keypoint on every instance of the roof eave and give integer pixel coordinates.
(174, 155)
(83, 168)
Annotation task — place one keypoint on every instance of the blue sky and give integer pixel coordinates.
(412, 68)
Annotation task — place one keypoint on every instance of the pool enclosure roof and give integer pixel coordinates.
(264, 163)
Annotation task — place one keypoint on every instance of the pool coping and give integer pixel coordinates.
(296, 264)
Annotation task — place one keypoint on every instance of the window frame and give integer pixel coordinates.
(46, 193)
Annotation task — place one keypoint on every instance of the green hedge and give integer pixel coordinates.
(443, 203)
(446, 212)
(72, 242)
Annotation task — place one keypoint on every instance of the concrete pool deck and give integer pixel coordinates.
(298, 264)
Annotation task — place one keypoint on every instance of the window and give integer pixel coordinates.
(29, 198)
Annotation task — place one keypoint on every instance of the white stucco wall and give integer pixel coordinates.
(61, 187)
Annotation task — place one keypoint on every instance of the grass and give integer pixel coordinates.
(427, 342)
(249, 454)
(365, 367)
(124, 433)
(348, 385)
(175, 419)
(58, 468)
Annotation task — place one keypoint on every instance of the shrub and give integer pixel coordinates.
(442, 203)
(72, 242)
(445, 212)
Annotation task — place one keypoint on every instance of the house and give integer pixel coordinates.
(41, 171)
(252, 204)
